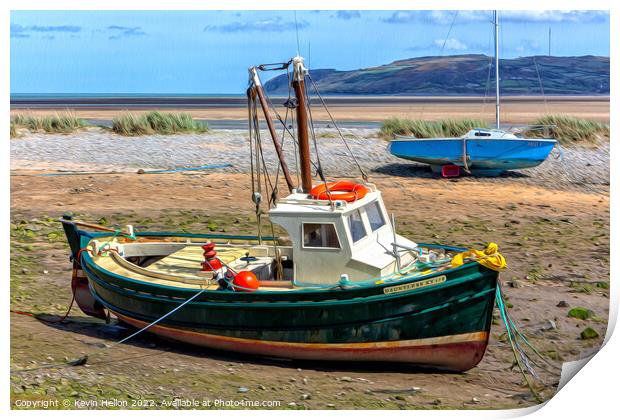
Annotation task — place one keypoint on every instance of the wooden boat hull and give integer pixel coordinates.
(458, 352)
(441, 320)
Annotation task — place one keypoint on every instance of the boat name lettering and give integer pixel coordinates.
(414, 285)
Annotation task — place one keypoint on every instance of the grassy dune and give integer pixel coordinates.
(566, 129)
(427, 129)
(569, 130)
(157, 123)
(127, 125)
(58, 123)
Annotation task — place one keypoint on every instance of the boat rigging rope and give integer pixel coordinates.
(283, 135)
(261, 165)
(256, 186)
(251, 109)
(486, 88)
(443, 46)
(265, 173)
(456, 13)
(542, 89)
(285, 129)
(316, 89)
(255, 128)
(272, 107)
(316, 147)
(292, 134)
(83, 359)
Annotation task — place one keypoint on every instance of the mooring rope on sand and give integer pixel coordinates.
(522, 360)
(48, 321)
(83, 359)
(502, 310)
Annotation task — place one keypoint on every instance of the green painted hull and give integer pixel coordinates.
(315, 324)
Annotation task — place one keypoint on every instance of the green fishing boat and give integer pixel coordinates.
(342, 286)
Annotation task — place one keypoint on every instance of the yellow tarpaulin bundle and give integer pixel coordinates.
(489, 258)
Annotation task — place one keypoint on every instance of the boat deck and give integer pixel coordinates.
(183, 268)
(188, 261)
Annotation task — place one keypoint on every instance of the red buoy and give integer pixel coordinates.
(211, 262)
(246, 282)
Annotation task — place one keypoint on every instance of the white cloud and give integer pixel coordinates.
(445, 17)
(276, 24)
(441, 17)
(463, 16)
(451, 44)
(551, 16)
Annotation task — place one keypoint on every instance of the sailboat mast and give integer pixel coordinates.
(299, 76)
(496, 23)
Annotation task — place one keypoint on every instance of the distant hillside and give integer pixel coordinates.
(465, 75)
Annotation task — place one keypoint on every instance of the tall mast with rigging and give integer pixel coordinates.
(496, 24)
(299, 85)
(256, 89)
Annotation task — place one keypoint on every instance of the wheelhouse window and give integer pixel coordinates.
(320, 235)
(375, 215)
(356, 226)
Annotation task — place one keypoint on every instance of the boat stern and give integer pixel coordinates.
(79, 282)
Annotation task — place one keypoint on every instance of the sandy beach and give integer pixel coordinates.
(558, 258)
(515, 110)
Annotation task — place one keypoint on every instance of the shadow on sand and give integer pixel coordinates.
(416, 170)
(115, 331)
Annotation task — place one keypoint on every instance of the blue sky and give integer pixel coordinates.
(210, 51)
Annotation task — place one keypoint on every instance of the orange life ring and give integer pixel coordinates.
(340, 190)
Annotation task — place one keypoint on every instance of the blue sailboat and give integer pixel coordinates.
(487, 152)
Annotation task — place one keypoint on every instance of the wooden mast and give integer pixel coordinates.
(299, 75)
(258, 89)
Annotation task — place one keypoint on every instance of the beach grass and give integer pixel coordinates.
(157, 123)
(58, 123)
(428, 129)
(568, 130)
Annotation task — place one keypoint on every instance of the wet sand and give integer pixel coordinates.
(515, 110)
(555, 252)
